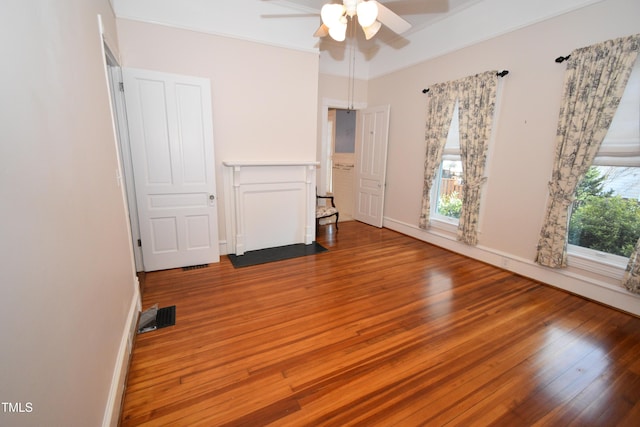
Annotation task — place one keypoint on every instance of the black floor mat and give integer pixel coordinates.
(280, 253)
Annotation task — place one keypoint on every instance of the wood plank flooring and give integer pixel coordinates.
(381, 330)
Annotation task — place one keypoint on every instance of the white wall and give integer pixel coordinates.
(67, 281)
(473, 22)
(264, 97)
(521, 158)
(279, 23)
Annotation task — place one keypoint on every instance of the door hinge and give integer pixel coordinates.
(121, 86)
(139, 243)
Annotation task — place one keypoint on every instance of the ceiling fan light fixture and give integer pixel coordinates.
(339, 31)
(367, 12)
(372, 30)
(331, 14)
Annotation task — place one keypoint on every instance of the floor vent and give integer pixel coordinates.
(195, 267)
(156, 318)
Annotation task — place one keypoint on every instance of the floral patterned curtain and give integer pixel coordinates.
(631, 279)
(594, 83)
(477, 100)
(442, 99)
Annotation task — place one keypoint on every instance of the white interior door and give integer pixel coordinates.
(171, 137)
(372, 136)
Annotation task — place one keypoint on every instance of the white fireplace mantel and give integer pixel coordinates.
(271, 203)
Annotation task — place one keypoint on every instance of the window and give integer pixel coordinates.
(605, 217)
(448, 188)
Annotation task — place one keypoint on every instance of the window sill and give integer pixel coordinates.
(444, 224)
(606, 265)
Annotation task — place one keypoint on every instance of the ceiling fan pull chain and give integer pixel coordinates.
(352, 66)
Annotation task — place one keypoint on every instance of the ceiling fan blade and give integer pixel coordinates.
(389, 18)
(322, 31)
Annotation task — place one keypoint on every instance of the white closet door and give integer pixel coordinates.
(171, 134)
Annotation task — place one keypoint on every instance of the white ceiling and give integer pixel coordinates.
(419, 13)
(291, 23)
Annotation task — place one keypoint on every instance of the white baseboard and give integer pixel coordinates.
(116, 392)
(608, 294)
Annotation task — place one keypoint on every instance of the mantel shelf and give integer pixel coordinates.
(236, 163)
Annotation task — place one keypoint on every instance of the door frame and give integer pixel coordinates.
(119, 113)
(328, 103)
(360, 189)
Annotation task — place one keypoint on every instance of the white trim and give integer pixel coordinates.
(119, 118)
(444, 224)
(270, 185)
(124, 172)
(223, 247)
(229, 211)
(588, 287)
(245, 163)
(608, 265)
(118, 381)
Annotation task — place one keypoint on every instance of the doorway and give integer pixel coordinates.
(326, 150)
(340, 165)
(368, 180)
(171, 196)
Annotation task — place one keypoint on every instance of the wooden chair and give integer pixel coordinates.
(325, 211)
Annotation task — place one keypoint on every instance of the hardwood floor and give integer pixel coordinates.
(381, 330)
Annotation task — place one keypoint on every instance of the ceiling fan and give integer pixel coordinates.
(371, 15)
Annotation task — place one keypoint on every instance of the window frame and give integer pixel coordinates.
(592, 260)
(595, 261)
(451, 151)
(446, 222)
(449, 225)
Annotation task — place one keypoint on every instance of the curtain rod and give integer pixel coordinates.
(499, 74)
